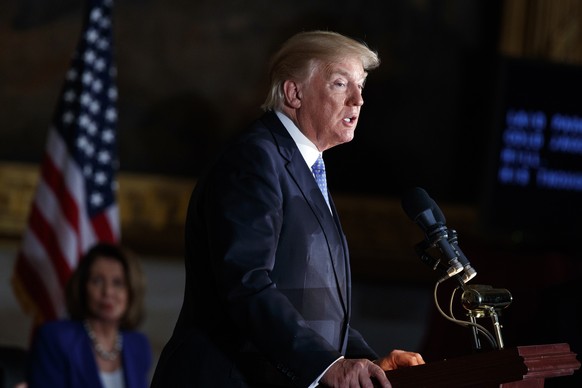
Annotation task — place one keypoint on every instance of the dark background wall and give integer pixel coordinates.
(192, 73)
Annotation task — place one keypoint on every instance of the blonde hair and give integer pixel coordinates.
(299, 55)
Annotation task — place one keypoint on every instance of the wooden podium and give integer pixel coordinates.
(520, 367)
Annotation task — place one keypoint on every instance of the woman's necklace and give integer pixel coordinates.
(104, 354)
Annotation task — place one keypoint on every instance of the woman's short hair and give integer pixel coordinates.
(298, 56)
(76, 290)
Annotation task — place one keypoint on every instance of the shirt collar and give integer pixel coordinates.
(306, 147)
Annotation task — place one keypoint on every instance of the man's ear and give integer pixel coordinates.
(292, 94)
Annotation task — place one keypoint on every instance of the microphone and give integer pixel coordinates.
(468, 271)
(421, 209)
(424, 211)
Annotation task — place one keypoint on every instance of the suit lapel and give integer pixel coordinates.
(129, 363)
(302, 175)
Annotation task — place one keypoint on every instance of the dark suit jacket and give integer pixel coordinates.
(62, 356)
(267, 298)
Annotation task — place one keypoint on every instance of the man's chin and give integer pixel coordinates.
(348, 136)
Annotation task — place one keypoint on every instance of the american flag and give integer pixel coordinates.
(75, 201)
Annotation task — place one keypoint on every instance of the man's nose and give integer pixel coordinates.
(356, 98)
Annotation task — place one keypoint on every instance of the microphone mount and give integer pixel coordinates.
(450, 268)
(485, 301)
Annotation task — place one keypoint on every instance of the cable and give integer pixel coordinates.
(451, 318)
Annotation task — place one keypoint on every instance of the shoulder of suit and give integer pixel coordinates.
(65, 332)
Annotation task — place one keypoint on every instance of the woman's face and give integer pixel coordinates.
(107, 293)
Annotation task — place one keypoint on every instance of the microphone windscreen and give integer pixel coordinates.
(415, 201)
(438, 213)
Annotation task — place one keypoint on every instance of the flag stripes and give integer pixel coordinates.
(74, 205)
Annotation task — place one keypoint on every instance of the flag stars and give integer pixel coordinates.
(86, 99)
(108, 136)
(76, 140)
(100, 65)
(82, 142)
(104, 23)
(97, 86)
(89, 150)
(92, 128)
(84, 121)
(68, 117)
(92, 35)
(88, 170)
(89, 57)
(111, 114)
(112, 93)
(94, 107)
(88, 78)
(96, 199)
(69, 95)
(100, 178)
(103, 157)
(103, 44)
(89, 112)
(85, 146)
(96, 14)
(71, 75)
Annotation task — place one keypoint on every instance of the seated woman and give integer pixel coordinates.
(98, 346)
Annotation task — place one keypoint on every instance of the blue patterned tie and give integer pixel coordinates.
(318, 169)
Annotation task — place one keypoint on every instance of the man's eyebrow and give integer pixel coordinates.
(347, 74)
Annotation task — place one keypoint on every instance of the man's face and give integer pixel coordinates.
(330, 103)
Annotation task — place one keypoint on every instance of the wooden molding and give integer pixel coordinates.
(153, 210)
